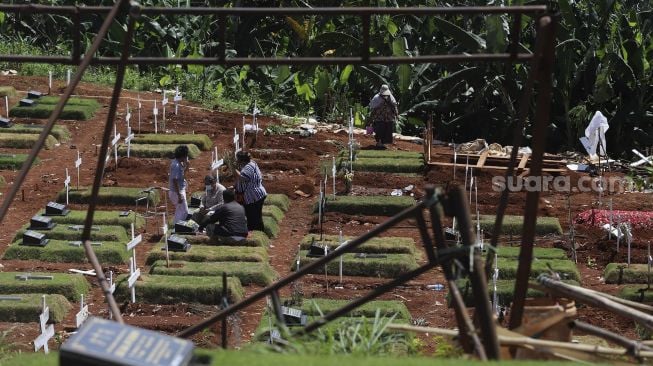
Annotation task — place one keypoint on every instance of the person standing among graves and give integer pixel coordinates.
(249, 183)
(177, 183)
(228, 219)
(383, 113)
(211, 200)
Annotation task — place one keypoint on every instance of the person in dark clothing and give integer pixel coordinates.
(249, 182)
(228, 219)
(383, 114)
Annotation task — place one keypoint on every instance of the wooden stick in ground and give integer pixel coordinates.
(592, 299)
(633, 347)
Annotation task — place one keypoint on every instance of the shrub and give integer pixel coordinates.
(513, 225)
(109, 196)
(273, 212)
(621, 273)
(270, 227)
(7, 91)
(68, 285)
(375, 245)
(202, 141)
(539, 253)
(61, 251)
(279, 200)
(368, 205)
(30, 306)
(158, 289)
(255, 239)
(388, 165)
(248, 273)
(505, 291)
(566, 268)
(205, 253)
(43, 111)
(65, 232)
(156, 151)
(24, 140)
(391, 266)
(14, 161)
(637, 293)
(112, 218)
(61, 133)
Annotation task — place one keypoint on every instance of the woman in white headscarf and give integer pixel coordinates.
(383, 113)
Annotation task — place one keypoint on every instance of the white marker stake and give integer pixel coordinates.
(68, 77)
(243, 132)
(134, 271)
(236, 141)
(177, 99)
(155, 111)
(340, 243)
(333, 175)
(112, 289)
(47, 331)
(319, 209)
(81, 317)
(78, 163)
(128, 115)
(128, 140)
(164, 229)
(114, 142)
(164, 101)
(67, 184)
(255, 112)
(7, 105)
(351, 140)
(49, 82)
(140, 106)
(495, 278)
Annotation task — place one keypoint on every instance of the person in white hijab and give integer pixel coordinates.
(383, 114)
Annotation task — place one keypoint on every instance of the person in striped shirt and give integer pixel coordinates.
(249, 183)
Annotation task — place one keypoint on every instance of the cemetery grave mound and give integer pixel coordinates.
(14, 161)
(364, 264)
(505, 291)
(61, 133)
(7, 91)
(201, 141)
(277, 199)
(564, 267)
(27, 308)
(539, 253)
(273, 212)
(208, 253)
(513, 225)
(68, 251)
(162, 289)
(638, 293)
(367, 205)
(155, 151)
(75, 109)
(254, 239)
(74, 232)
(395, 245)
(111, 218)
(248, 273)
(111, 196)
(68, 285)
(618, 273)
(270, 227)
(24, 140)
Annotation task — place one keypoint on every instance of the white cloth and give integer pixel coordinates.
(595, 131)
(377, 100)
(181, 209)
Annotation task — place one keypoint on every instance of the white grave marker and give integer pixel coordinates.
(177, 99)
(47, 331)
(216, 164)
(351, 141)
(68, 77)
(128, 115)
(333, 175)
(67, 184)
(243, 131)
(164, 228)
(644, 159)
(49, 82)
(155, 111)
(495, 278)
(134, 271)
(114, 143)
(7, 105)
(82, 315)
(255, 112)
(140, 106)
(164, 101)
(236, 141)
(128, 140)
(78, 163)
(112, 289)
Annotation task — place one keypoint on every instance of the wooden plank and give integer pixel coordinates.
(523, 161)
(463, 157)
(481, 159)
(545, 170)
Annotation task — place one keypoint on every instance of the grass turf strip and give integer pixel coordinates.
(65, 232)
(387, 308)
(205, 253)
(30, 306)
(43, 110)
(390, 165)
(61, 133)
(254, 239)
(85, 102)
(24, 140)
(390, 266)
(273, 212)
(247, 272)
(270, 227)
(159, 289)
(621, 273)
(539, 253)
(156, 151)
(505, 291)
(637, 293)
(375, 245)
(110, 196)
(7, 91)
(68, 285)
(77, 217)
(14, 161)
(202, 141)
(513, 225)
(277, 199)
(368, 205)
(383, 154)
(60, 251)
(566, 268)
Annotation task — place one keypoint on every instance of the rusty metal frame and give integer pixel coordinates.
(455, 203)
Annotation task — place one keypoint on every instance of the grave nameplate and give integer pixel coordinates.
(81, 227)
(27, 103)
(316, 250)
(134, 242)
(293, 317)
(56, 209)
(195, 202)
(177, 243)
(28, 276)
(186, 227)
(124, 213)
(82, 315)
(78, 243)
(369, 255)
(33, 94)
(39, 222)
(34, 239)
(108, 343)
(10, 298)
(5, 122)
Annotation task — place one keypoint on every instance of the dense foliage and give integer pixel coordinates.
(603, 62)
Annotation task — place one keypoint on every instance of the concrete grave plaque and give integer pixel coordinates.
(56, 209)
(39, 222)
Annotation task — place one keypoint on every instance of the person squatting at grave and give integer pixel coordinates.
(383, 113)
(177, 183)
(211, 200)
(249, 183)
(228, 219)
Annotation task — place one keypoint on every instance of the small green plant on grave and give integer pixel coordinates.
(349, 179)
(642, 332)
(274, 130)
(446, 349)
(591, 262)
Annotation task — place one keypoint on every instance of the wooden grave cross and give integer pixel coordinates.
(155, 111)
(112, 289)
(216, 164)
(255, 112)
(78, 163)
(140, 106)
(67, 184)
(68, 72)
(7, 105)
(236, 142)
(164, 101)
(333, 175)
(164, 229)
(134, 271)
(114, 143)
(177, 99)
(47, 331)
(128, 140)
(82, 315)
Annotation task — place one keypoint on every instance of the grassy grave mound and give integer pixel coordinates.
(621, 273)
(68, 285)
(248, 273)
(159, 289)
(110, 196)
(7, 91)
(368, 205)
(60, 251)
(539, 253)
(206, 253)
(14, 161)
(636, 293)
(30, 306)
(254, 239)
(505, 291)
(375, 245)
(202, 141)
(61, 133)
(384, 154)
(273, 212)
(75, 109)
(513, 225)
(111, 218)
(156, 151)
(24, 140)
(566, 268)
(388, 165)
(277, 199)
(387, 308)
(391, 266)
(270, 227)
(65, 232)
